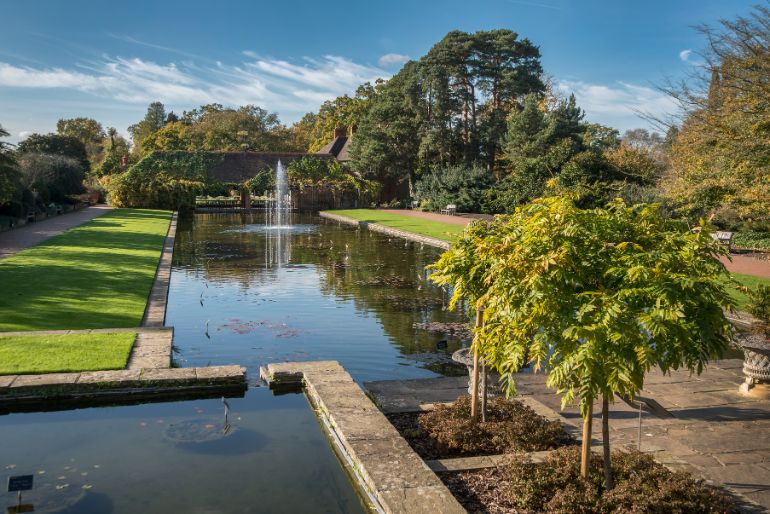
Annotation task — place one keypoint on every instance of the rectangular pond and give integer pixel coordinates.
(244, 294)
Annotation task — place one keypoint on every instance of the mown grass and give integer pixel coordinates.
(98, 275)
(24, 354)
(749, 281)
(430, 228)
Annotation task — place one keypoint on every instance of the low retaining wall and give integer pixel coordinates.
(394, 477)
(376, 227)
(155, 310)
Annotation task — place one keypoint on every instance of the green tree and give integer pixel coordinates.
(595, 298)
(153, 121)
(9, 173)
(86, 130)
(116, 151)
(53, 177)
(462, 186)
(55, 144)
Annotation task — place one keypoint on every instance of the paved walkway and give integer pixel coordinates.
(31, 234)
(699, 424)
(747, 265)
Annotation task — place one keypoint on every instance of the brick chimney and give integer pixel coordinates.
(339, 132)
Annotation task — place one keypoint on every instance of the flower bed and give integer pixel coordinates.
(448, 432)
(520, 486)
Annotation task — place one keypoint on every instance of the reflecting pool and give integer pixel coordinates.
(241, 294)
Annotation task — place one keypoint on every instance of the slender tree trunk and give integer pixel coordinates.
(585, 453)
(475, 377)
(608, 482)
(484, 392)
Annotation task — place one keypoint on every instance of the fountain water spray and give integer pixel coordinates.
(279, 211)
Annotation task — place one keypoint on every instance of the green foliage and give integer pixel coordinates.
(753, 240)
(53, 177)
(448, 108)
(86, 130)
(594, 297)
(153, 121)
(720, 154)
(460, 185)
(759, 304)
(162, 180)
(55, 144)
(116, 150)
(312, 171)
(343, 111)
(9, 173)
(642, 486)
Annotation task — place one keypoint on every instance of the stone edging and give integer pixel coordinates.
(155, 310)
(376, 227)
(394, 477)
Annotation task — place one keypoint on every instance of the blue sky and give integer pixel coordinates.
(109, 60)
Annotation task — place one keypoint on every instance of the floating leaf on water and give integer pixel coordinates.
(41, 472)
(97, 466)
(84, 473)
(10, 466)
(142, 424)
(87, 486)
(62, 486)
(61, 478)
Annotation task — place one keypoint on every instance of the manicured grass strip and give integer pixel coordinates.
(97, 275)
(21, 355)
(437, 229)
(749, 281)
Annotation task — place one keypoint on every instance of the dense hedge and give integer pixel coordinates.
(163, 180)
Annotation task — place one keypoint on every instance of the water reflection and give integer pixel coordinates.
(319, 291)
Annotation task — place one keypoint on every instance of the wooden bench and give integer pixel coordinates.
(450, 209)
(724, 237)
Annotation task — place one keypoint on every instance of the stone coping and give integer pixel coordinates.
(376, 227)
(155, 310)
(394, 477)
(22, 389)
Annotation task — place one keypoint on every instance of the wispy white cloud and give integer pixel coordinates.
(287, 87)
(619, 104)
(24, 134)
(392, 59)
(685, 54)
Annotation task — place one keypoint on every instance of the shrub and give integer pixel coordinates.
(759, 305)
(460, 185)
(510, 425)
(54, 177)
(642, 486)
(162, 180)
(753, 240)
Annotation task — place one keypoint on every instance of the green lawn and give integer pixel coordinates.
(97, 275)
(746, 280)
(63, 353)
(437, 229)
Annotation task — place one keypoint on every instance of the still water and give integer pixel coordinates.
(241, 294)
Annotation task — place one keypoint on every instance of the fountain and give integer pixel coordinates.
(279, 206)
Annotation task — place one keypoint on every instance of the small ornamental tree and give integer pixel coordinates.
(596, 298)
(460, 268)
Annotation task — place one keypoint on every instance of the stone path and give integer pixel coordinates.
(18, 239)
(392, 474)
(747, 265)
(699, 424)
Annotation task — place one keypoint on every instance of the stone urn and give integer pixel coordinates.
(756, 364)
(465, 357)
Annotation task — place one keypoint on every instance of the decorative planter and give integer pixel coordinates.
(463, 356)
(756, 361)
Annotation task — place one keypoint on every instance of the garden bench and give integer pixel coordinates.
(450, 209)
(724, 237)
